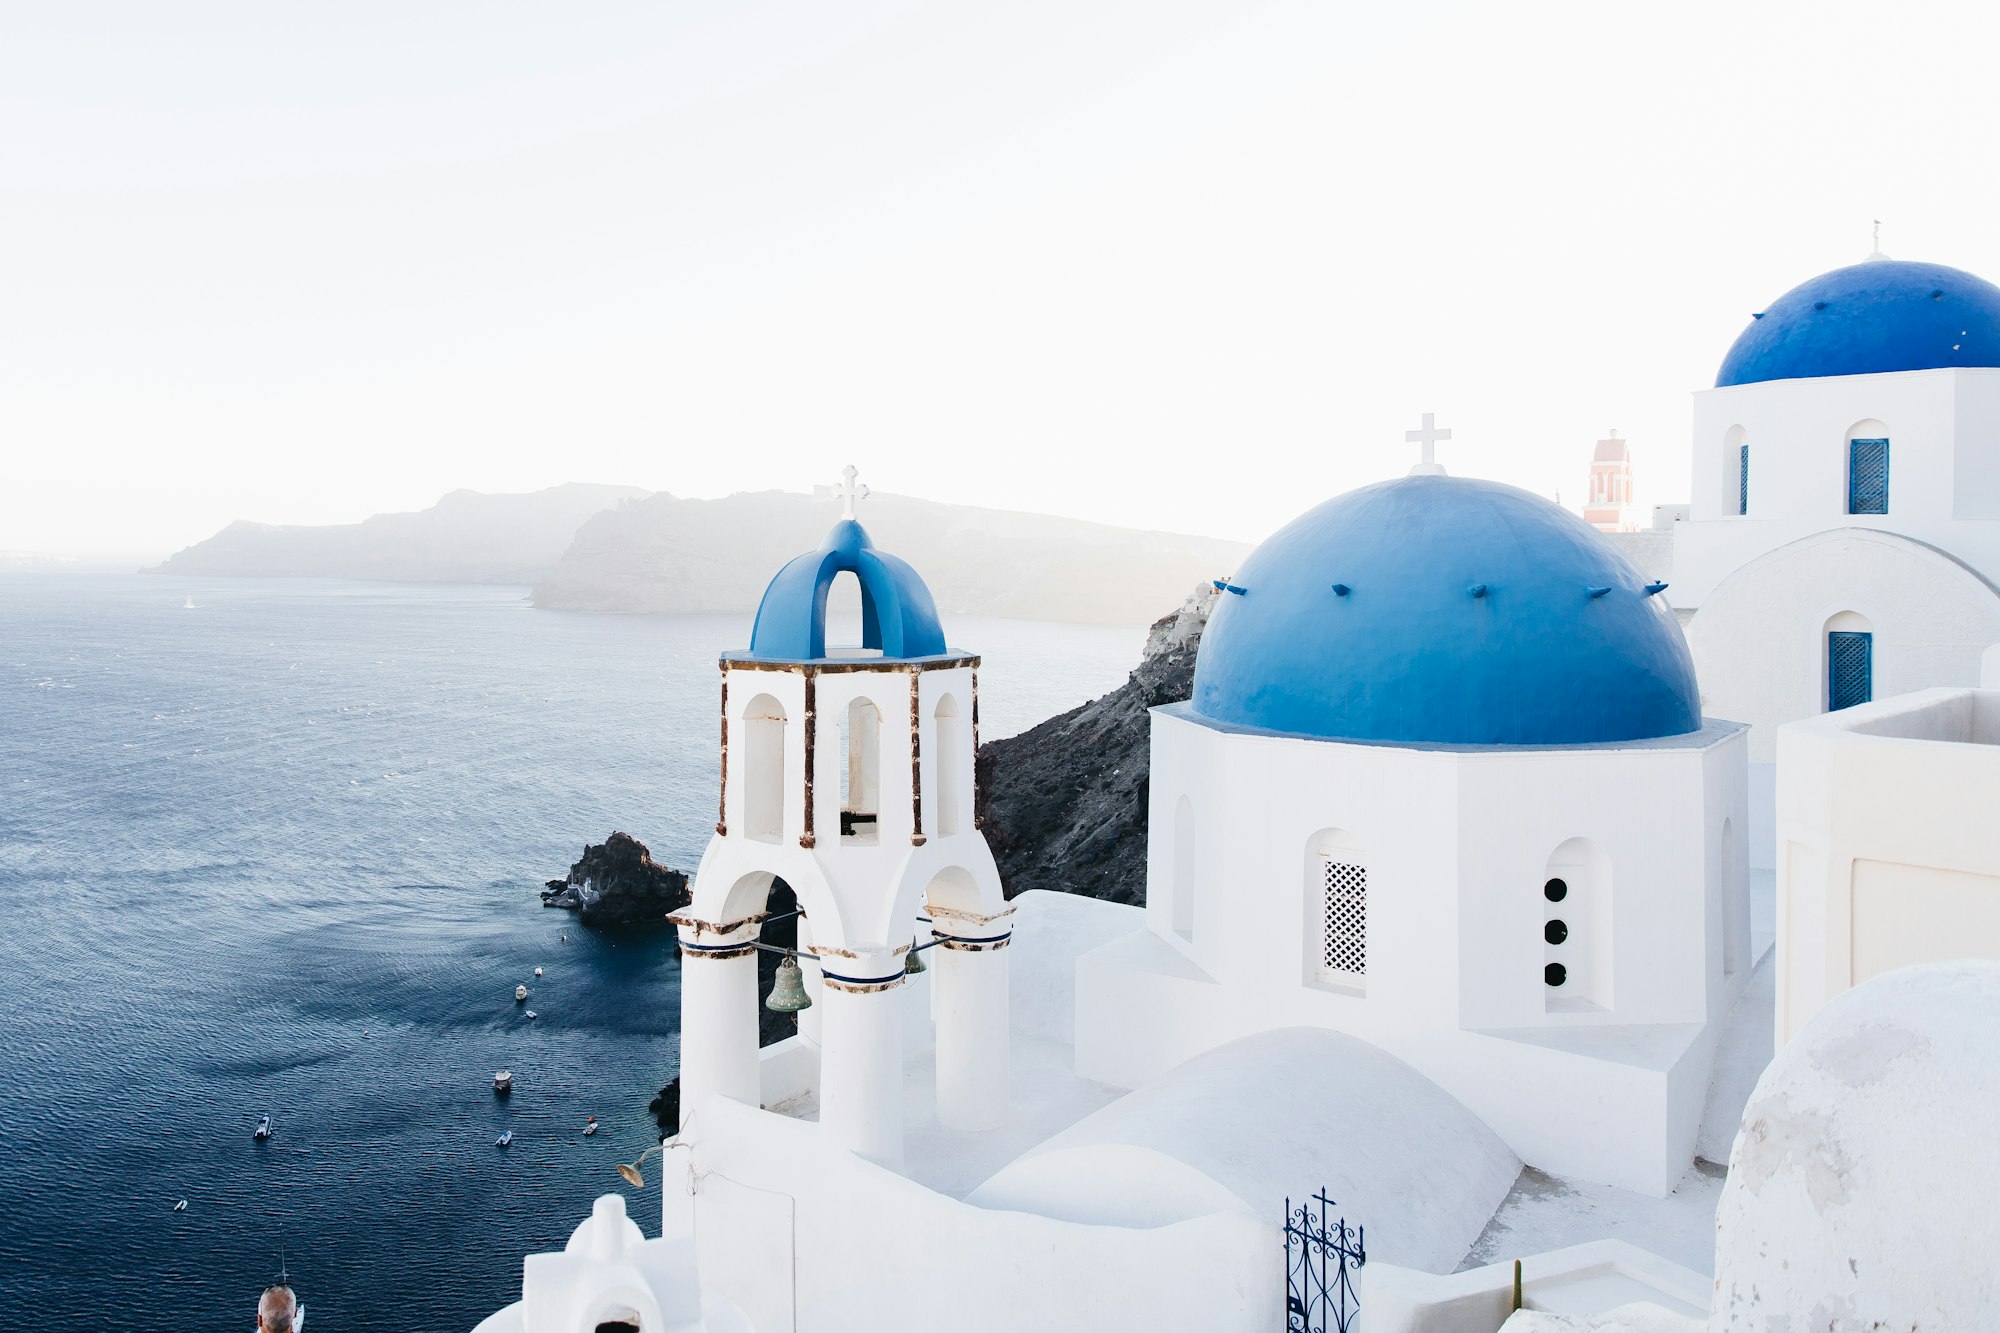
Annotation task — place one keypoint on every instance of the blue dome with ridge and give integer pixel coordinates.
(898, 617)
(1445, 610)
(1879, 315)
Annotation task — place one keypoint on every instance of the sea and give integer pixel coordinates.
(272, 847)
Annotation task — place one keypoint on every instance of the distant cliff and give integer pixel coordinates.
(668, 554)
(1063, 806)
(467, 537)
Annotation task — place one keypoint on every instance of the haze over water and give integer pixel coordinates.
(278, 853)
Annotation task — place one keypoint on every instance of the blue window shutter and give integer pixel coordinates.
(1867, 476)
(1743, 480)
(1850, 669)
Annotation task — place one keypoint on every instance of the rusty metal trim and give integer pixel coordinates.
(861, 987)
(722, 792)
(970, 946)
(840, 666)
(916, 767)
(806, 839)
(698, 926)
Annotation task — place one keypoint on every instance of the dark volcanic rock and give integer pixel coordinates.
(1064, 806)
(617, 883)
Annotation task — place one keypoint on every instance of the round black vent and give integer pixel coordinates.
(1555, 890)
(1555, 932)
(1555, 974)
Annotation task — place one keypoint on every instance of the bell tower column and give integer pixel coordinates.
(718, 1011)
(861, 1053)
(969, 980)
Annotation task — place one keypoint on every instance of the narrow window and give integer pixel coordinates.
(1850, 669)
(1343, 956)
(1867, 476)
(1743, 479)
(951, 763)
(1576, 928)
(1185, 873)
(764, 769)
(861, 770)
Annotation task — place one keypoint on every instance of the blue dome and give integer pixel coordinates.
(1443, 610)
(1885, 314)
(897, 614)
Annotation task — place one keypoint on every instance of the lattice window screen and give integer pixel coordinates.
(1850, 670)
(1868, 477)
(1344, 940)
(1743, 479)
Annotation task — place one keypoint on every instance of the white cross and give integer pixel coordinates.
(848, 491)
(1428, 437)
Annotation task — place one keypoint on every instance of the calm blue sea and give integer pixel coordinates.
(279, 853)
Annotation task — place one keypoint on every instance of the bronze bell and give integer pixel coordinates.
(788, 989)
(913, 962)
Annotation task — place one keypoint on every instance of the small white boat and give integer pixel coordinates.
(590, 1127)
(538, 971)
(189, 605)
(181, 1207)
(263, 1130)
(533, 1014)
(503, 1082)
(520, 994)
(505, 1138)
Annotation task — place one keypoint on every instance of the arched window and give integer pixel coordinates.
(860, 770)
(1576, 928)
(764, 769)
(846, 617)
(1737, 460)
(1850, 661)
(1336, 911)
(1868, 468)
(1185, 873)
(951, 764)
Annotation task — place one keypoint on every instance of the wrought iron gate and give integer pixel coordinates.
(1321, 1259)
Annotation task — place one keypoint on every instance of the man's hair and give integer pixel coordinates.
(275, 1308)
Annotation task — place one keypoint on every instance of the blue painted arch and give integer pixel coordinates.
(1869, 318)
(898, 617)
(1474, 614)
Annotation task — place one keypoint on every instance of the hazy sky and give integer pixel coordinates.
(1191, 264)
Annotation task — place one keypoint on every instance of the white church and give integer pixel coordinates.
(1478, 895)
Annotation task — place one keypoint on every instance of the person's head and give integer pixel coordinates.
(276, 1308)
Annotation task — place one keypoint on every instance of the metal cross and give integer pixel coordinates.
(848, 491)
(1428, 437)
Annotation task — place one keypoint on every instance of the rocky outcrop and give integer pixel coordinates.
(1063, 806)
(617, 883)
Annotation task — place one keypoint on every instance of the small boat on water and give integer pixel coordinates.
(181, 1207)
(505, 1138)
(533, 1014)
(263, 1130)
(538, 971)
(590, 1127)
(503, 1083)
(520, 994)
(189, 605)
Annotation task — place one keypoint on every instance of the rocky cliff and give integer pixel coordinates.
(1064, 805)
(617, 883)
(674, 555)
(466, 537)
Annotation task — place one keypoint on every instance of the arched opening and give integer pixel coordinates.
(1336, 901)
(846, 618)
(1736, 464)
(950, 763)
(1185, 874)
(1868, 467)
(764, 769)
(860, 771)
(1576, 928)
(1849, 655)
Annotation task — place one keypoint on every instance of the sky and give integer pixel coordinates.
(1181, 264)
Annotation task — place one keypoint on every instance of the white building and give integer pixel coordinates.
(1444, 785)
(1843, 536)
(1609, 504)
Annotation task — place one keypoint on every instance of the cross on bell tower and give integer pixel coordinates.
(848, 491)
(1428, 436)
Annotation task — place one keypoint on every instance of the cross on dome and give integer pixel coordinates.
(1428, 437)
(848, 491)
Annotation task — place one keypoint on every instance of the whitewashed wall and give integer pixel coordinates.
(1887, 853)
(1759, 641)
